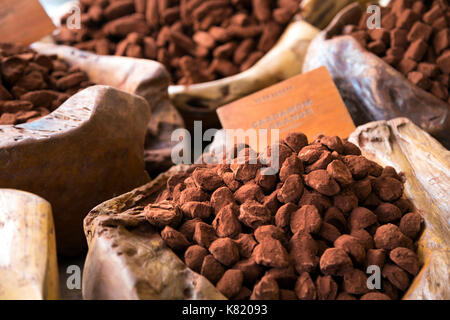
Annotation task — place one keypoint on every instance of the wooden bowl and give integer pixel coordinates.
(127, 258)
(145, 78)
(88, 150)
(372, 89)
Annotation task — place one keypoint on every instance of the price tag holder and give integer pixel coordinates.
(308, 103)
(24, 21)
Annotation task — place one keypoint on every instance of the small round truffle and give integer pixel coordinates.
(335, 262)
(266, 289)
(231, 283)
(410, 224)
(305, 288)
(405, 259)
(225, 251)
(193, 257)
(306, 219)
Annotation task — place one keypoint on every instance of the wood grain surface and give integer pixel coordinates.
(28, 267)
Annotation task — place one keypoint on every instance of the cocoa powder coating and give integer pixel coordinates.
(196, 40)
(300, 234)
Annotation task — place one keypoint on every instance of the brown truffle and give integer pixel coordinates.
(335, 261)
(226, 222)
(193, 257)
(305, 288)
(254, 214)
(322, 182)
(174, 239)
(405, 259)
(306, 219)
(225, 251)
(410, 224)
(163, 214)
(266, 289)
(292, 189)
(212, 269)
(326, 288)
(231, 283)
(389, 237)
(271, 253)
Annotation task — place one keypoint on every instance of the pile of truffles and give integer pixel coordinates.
(197, 40)
(32, 85)
(414, 38)
(308, 232)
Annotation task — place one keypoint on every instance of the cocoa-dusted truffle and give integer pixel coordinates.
(361, 218)
(353, 247)
(174, 239)
(163, 214)
(296, 141)
(225, 251)
(376, 257)
(292, 165)
(212, 269)
(388, 189)
(322, 182)
(315, 245)
(249, 191)
(405, 259)
(326, 288)
(246, 243)
(254, 214)
(271, 253)
(292, 189)
(387, 212)
(375, 296)
(226, 222)
(397, 276)
(389, 237)
(305, 288)
(231, 283)
(355, 282)
(306, 219)
(285, 277)
(328, 232)
(192, 194)
(270, 232)
(221, 198)
(410, 224)
(193, 257)
(339, 171)
(250, 269)
(188, 228)
(204, 234)
(196, 209)
(206, 179)
(283, 215)
(303, 251)
(335, 217)
(336, 262)
(364, 237)
(266, 289)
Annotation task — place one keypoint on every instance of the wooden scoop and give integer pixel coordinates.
(28, 267)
